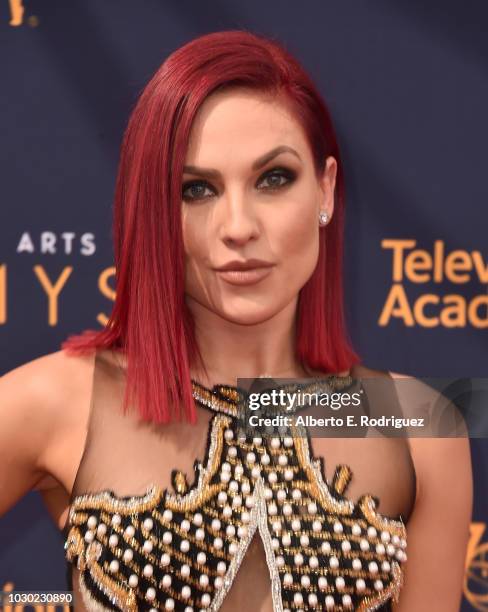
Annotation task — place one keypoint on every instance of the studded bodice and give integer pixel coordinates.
(180, 549)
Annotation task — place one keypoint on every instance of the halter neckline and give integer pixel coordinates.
(328, 379)
(229, 399)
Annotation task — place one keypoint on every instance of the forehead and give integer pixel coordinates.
(241, 124)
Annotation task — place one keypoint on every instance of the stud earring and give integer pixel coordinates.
(323, 218)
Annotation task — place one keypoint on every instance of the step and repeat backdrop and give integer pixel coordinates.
(407, 86)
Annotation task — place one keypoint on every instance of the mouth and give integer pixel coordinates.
(245, 277)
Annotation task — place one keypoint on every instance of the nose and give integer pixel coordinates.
(236, 218)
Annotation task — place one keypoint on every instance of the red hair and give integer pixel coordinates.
(150, 322)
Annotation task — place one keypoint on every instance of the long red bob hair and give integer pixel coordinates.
(150, 322)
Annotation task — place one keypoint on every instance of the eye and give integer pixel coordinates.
(277, 178)
(196, 190)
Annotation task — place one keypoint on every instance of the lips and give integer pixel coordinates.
(245, 277)
(249, 264)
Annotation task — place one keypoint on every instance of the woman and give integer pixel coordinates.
(228, 235)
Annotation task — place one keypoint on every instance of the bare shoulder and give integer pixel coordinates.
(437, 455)
(435, 459)
(43, 408)
(40, 388)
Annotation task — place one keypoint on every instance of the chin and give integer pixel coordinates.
(248, 315)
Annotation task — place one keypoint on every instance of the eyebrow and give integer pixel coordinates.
(259, 163)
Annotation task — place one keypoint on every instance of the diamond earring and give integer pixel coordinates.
(323, 218)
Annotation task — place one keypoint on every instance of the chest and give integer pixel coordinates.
(192, 545)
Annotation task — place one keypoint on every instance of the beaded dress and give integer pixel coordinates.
(133, 544)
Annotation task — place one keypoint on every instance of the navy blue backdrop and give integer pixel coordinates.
(407, 85)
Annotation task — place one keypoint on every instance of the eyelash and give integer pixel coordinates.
(286, 173)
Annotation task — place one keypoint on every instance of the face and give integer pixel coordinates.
(250, 191)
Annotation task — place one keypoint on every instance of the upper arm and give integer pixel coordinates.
(30, 420)
(438, 528)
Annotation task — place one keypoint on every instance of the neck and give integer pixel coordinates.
(233, 350)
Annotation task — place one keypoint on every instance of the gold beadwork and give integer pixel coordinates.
(204, 490)
(124, 598)
(315, 485)
(270, 485)
(105, 500)
(179, 483)
(368, 508)
(342, 476)
(75, 548)
(393, 590)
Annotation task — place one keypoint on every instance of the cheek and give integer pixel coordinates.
(187, 230)
(299, 240)
(194, 248)
(194, 235)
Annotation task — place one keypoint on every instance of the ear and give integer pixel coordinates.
(327, 186)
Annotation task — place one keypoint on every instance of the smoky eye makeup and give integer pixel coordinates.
(197, 189)
(274, 179)
(277, 177)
